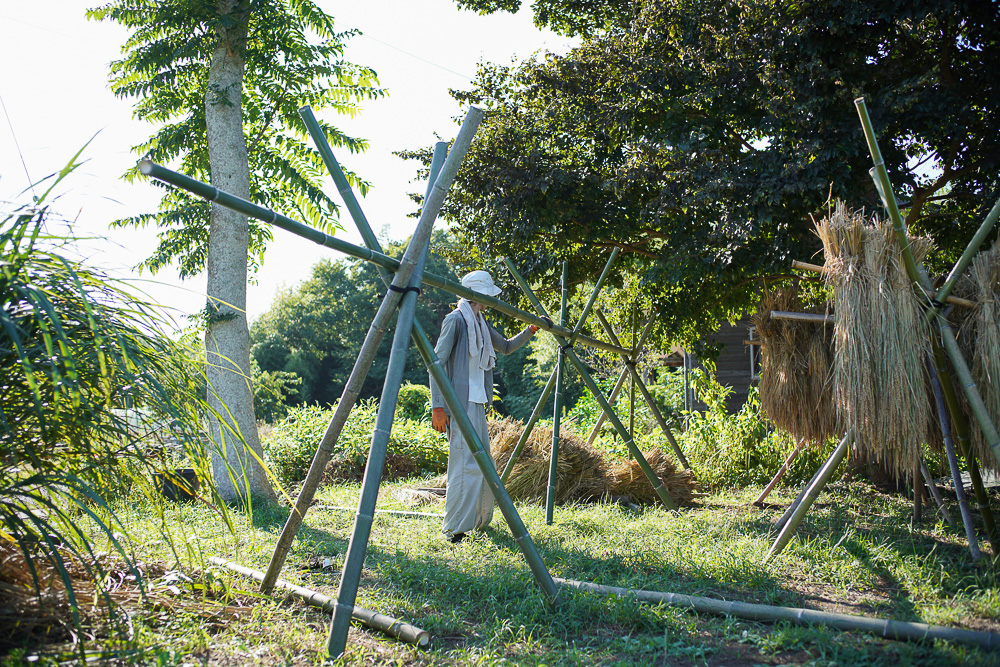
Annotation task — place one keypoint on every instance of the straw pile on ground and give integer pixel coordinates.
(880, 338)
(582, 472)
(980, 338)
(796, 361)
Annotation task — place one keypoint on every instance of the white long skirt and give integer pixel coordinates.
(468, 502)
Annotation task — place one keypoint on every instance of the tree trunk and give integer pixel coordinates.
(238, 474)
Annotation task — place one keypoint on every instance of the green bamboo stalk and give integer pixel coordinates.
(961, 427)
(485, 462)
(935, 493)
(348, 398)
(969, 254)
(357, 548)
(900, 630)
(647, 470)
(783, 519)
(387, 624)
(956, 474)
(621, 378)
(416, 256)
(482, 458)
(646, 396)
(917, 274)
(826, 472)
(206, 191)
(550, 497)
(532, 420)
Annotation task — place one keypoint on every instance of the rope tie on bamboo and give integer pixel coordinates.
(404, 290)
(567, 346)
(548, 321)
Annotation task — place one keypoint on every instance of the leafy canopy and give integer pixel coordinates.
(292, 58)
(699, 137)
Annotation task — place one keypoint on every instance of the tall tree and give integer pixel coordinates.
(225, 78)
(699, 135)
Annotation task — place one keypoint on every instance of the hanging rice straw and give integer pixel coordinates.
(795, 391)
(980, 337)
(880, 338)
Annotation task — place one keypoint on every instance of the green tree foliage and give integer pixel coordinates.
(699, 136)
(292, 57)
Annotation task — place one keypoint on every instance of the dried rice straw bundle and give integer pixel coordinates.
(629, 480)
(581, 471)
(880, 339)
(980, 336)
(796, 361)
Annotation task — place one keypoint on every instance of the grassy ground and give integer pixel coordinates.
(856, 553)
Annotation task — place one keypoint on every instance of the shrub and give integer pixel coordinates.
(414, 447)
(414, 403)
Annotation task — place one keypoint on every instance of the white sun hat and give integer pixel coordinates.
(482, 282)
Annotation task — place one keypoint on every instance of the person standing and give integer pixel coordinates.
(467, 348)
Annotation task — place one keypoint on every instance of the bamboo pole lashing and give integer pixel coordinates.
(888, 629)
(387, 624)
(621, 378)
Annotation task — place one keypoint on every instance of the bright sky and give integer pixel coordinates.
(55, 94)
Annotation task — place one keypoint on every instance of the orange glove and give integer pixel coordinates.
(439, 420)
(534, 328)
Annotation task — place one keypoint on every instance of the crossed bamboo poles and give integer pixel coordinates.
(403, 279)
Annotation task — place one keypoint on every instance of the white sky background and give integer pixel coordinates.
(54, 87)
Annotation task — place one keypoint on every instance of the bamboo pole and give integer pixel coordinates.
(919, 277)
(816, 268)
(348, 398)
(935, 493)
(646, 396)
(781, 473)
(961, 427)
(621, 378)
(550, 495)
(387, 624)
(802, 317)
(826, 472)
(418, 515)
(956, 474)
(918, 513)
(485, 462)
(783, 519)
(148, 168)
(944, 294)
(417, 249)
(888, 629)
(530, 424)
(647, 470)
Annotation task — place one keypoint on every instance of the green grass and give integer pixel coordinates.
(855, 553)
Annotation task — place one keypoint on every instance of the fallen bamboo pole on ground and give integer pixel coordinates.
(900, 630)
(422, 515)
(387, 624)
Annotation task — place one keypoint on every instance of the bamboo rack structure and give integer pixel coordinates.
(372, 619)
